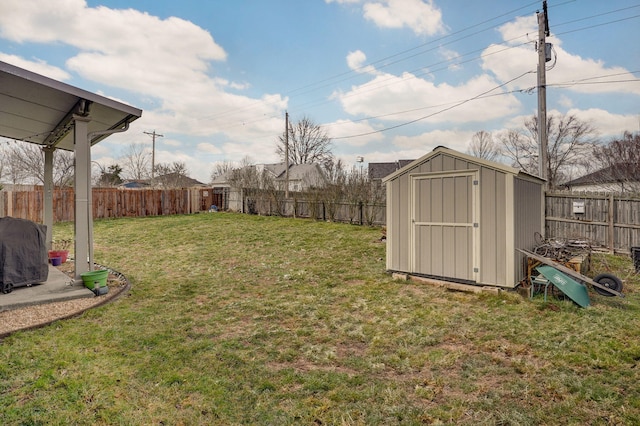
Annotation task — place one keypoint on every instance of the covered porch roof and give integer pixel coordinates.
(56, 115)
(40, 110)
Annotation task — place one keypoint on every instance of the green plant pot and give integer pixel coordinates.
(95, 279)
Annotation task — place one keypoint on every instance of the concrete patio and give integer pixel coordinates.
(58, 288)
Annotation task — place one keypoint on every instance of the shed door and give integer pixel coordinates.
(444, 225)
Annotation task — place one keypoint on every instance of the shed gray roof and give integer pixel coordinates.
(37, 109)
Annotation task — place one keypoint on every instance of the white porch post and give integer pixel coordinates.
(48, 194)
(83, 214)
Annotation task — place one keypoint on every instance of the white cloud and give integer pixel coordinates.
(356, 61)
(37, 66)
(606, 123)
(424, 18)
(423, 143)
(209, 148)
(565, 101)
(407, 97)
(166, 60)
(521, 30)
(577, 74)
(450, 56)
(348, 130)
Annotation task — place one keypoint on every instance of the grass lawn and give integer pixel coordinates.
(236, 319)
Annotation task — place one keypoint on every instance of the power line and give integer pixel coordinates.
(435, 113)
(528, 90)
(415, 73)
(595, 16)
(318, 85)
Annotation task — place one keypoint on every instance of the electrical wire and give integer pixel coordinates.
(414, 74)
(357, 71)
(435, 113)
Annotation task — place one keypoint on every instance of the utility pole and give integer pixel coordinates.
(153, 135)
(543, 32)
(286, 155)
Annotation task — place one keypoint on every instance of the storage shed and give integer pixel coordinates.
(454, 217)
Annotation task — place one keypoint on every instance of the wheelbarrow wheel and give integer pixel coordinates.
(609, 281)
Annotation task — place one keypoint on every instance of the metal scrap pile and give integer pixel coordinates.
(561, 249)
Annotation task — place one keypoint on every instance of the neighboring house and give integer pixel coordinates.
(301, 176)
(177, 180)
(223, 180)
(624, 177)
(378, 171)
(170, 180)
(134, 184)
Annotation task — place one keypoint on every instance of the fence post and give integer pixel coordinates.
(360, 207)
(611, 227)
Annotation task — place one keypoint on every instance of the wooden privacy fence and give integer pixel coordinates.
(609, 220)
(106, 203)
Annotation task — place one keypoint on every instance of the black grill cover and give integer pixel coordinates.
(23, 252)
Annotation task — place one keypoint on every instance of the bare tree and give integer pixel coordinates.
(245, 176)
(12, 167)
(260, 191)
(518, 148)
(220, 168)
(24, 163)
(356, 192)
(172, 175)
(570, 145)
(333, 191)
(308, 143)
(136, 162)
(624, 150)
(618, 163)
(63, 167)
(483, 146)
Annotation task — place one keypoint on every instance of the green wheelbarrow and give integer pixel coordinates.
(573, 283)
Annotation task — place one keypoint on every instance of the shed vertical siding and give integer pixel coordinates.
(529, 219)
(444, 241)
(492, 226)
(398, 205)
(441, 224)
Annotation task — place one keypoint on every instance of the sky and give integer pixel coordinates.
(385, 79)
